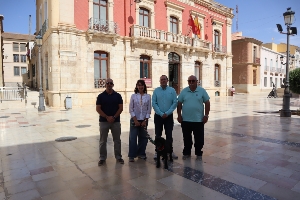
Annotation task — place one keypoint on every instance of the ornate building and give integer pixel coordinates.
(85, 42)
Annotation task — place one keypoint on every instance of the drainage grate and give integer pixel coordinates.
(16, 113)
(65, 139)
(82, 126)
(62, 120)
(4, 116)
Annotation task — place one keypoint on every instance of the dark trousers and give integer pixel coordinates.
(166, 124)
(198, 130)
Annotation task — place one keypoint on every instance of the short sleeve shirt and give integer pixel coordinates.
(109, 104)
(192, 104)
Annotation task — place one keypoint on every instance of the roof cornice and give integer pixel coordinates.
(215, 7)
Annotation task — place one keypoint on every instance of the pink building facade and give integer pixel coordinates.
(90, 41)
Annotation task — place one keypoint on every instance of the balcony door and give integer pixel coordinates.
(174, 71)
(100, 9)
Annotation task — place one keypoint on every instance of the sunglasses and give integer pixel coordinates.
(109, 83)
(191, 81)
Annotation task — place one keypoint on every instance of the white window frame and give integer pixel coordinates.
(218, 26)
(149, 5)
(174, 10)
(110, 10)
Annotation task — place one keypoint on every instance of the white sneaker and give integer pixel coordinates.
(155, 156)
(174, 156)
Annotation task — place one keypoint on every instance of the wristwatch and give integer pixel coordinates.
(114, 117)
(206, 116)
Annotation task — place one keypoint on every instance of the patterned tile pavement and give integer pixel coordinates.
(249, 153)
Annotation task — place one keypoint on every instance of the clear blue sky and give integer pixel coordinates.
(16, 15)
(257, 18)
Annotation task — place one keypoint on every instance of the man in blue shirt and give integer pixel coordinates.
(192, 118)
(164, 102)
(109, 105)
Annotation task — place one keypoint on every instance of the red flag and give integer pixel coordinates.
(191, 23)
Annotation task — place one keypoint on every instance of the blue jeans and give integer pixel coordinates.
(137, 141)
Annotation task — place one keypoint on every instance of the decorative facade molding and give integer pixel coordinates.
(174, 6)
(149, 5)
(215, 7)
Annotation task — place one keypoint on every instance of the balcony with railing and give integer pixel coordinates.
(103, 26)
(278, 70)
(273, 69)
(44, 28)
(282, 71)
(256, 61)
(219, 49)
(160, 36)
(266, 68)
(217, 83)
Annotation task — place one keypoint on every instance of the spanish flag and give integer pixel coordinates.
(191, 23)
(197, 27)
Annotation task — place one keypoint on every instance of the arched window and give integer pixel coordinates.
(217, 75)
(198, 72)
(173, 25)
(100, 68)
(217, 40)
(100, 9)
(144, 17)
(145, 67)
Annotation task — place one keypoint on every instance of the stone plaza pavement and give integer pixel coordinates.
(249, 153)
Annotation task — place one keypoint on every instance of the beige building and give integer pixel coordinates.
(1, 52)
(85, 42)
(246, 63)
(15, 57)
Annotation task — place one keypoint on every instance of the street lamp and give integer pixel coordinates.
(292, 57)
(288, 20)
(38, 42)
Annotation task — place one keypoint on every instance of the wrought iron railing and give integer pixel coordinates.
(199, 82)
(100, 83)
(44, 28)
(219, 48)
(104, 26)
(167, 37)
(217, 83)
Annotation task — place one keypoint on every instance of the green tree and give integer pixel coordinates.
(295, 80)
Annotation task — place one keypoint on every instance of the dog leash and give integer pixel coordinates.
(147, 134)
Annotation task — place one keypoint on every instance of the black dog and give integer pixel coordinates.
(163, 148)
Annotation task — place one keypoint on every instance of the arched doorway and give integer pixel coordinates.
(174, 71)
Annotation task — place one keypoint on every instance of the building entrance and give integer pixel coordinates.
(174, 71)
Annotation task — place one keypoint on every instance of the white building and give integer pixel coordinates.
(272, 71)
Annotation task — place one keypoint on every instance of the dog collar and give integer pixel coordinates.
(162, 148)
